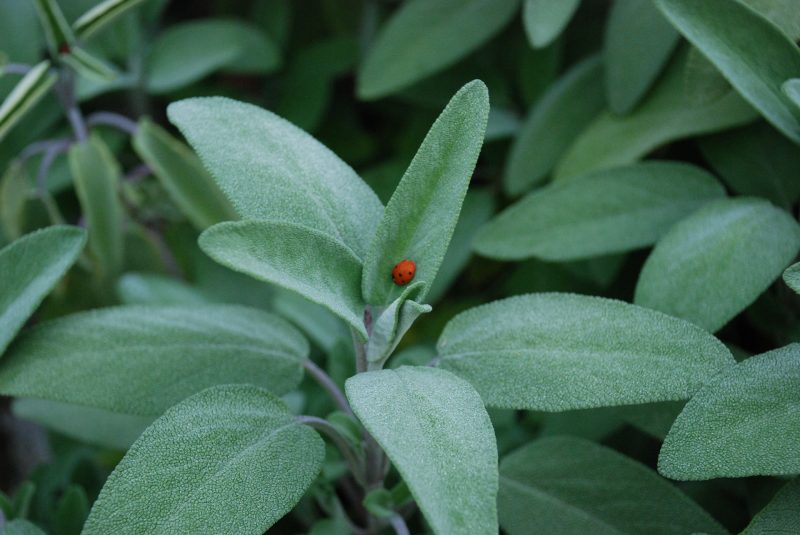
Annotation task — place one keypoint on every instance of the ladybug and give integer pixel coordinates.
(404, 272)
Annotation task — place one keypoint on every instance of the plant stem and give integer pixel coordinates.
(65, 89)
(327, 383)
(361, 354)
(352, 457)
(399, 525)
(115, 120)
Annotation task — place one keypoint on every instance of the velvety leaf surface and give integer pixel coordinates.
(96, 174)
(665, 115)
(153, 289)
(21, 527)
(638, 43)
(792, 277)
(713, 264)
(425, 36)
(556, 352)
(435, 430)
(742, 423)
(756, 62)
(791, 89)
(294, 257)
(607, 211)
(143, 359)
(573, 486)
(544, 20)
(31, 266)
(229, 460)
(421, 215)
(183, 176)
(87, 424)
(270, 169)
(565, 109)
(780, 516)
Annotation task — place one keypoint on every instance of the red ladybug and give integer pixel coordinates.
(404, 272)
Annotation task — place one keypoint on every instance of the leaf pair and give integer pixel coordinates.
(312, 225)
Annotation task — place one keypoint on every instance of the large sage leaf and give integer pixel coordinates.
(182, 174)
(422, 213)
(607, 211)
(31, 267)
(229, 460)
(713, 264)
(638, 43)
(742, 423)
(565, 109)
(21, 527)
(780, 515)
(271, 169)
(544, 20)
(143, 359)
(573, 486)
(96, 174)
(556, 352)
(424, 36)
(153, 289)
(792, 277)
(306, 261)
(714, 27)
(435, 430)
(791, 89)
(665, 115)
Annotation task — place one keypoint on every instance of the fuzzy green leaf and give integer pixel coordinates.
(791, 88)
(190, 51)
(713, 264)
(544, 20)
(393, 322)
(56, 30)
(28, 91)
(781, 515)
(425, 36)
(229, 460)
(422, 213)
(607, 211)
(638, 43)
(298, 258)
(143, 359)
(96, 174)
(270, 169)
(435, 430)
(573, 486)
(792, 277)
(153, 289)
(715, 27)
(101, 15)
(565, 109)
(20, 527)
(666, 114)
(89, 66)
(183, 176)
(742, 423)
(31, 267)
(556, 352)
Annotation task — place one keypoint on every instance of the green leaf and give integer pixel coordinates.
(607, 211)
(15, 187)
(638, 43)
(89, 66)
(298, 258)
(31, 267)
(101, 15)
(20, 527)
(742, 423)
(425, 36)
(544, 20)
(667, 114)
(756, 160)
(565, 109)
(27, 93)
(791, 88)
(271, 169)
(87, 424)
(792, 277)
(713, 264)
(556, 352)
(425, 419)
(190, 51)
(317, 322)
(780, 515)
(573, 486)
(183, 176)
(71, 511)
(713, 27)
(393, 322)
(143, 359)
(56, 30)
(152, 289)
(229, 460)
(422, 213)
(96, 175)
